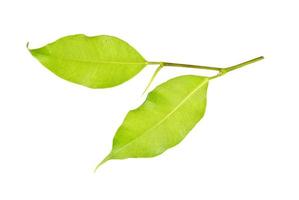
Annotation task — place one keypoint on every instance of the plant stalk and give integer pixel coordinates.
(234, 67)
(221, 71)
(184, 65)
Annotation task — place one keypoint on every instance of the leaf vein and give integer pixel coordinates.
(99, 62)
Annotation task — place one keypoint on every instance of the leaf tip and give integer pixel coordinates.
(102, 162)
(27, 46)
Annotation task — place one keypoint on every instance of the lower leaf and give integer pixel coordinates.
(168, 114)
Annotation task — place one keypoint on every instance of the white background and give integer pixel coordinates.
(53, 133)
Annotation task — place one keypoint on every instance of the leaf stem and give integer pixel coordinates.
(234, 67)
(221, 71)
(153, 77)
(184, 65)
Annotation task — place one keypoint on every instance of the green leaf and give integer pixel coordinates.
(96, 62)
(168, 114)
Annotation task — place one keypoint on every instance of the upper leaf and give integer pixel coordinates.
(96, 62)
(170, 111)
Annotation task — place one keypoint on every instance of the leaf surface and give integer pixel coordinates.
(168, 114)
(96, 62)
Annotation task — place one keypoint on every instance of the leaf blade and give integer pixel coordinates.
(168, 114)
(96, 62)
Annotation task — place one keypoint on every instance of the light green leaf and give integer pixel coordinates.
(168, 114)
(96, 62)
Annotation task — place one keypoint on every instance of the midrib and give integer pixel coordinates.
(98, 62)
